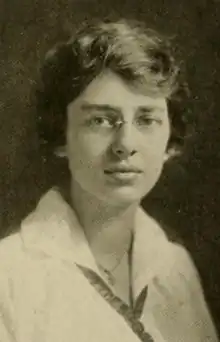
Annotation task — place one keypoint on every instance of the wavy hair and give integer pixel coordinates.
(140, 56)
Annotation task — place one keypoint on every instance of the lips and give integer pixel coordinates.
(123, 175)
(123, 169)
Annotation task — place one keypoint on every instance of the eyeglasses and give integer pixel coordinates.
(119, 123)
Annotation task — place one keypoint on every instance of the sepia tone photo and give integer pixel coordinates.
(109, 161)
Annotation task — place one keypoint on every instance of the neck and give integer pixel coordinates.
(108, 228)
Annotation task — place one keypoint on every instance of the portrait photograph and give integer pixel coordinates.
(110, 171)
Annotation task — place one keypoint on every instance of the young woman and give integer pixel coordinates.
(88, 264)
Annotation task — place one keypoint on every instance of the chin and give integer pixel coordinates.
(124, 196)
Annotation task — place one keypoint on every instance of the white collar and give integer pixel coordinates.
(53, 229)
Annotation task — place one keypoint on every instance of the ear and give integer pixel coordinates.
(60, 152)
(171, 153)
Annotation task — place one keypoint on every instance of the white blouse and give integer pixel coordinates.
(45, 297)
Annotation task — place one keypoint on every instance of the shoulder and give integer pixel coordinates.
(179, 273)
(11, 253)
(10, 246)
(11, 263)
(183, 261)
(174, 257)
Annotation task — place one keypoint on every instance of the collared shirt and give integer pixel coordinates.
(44, 296)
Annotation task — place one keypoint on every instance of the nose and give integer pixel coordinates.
(124, 144)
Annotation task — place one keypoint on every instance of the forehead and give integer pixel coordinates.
(110, 89)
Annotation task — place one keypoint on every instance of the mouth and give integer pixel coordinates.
(125, 170)
(123, 174)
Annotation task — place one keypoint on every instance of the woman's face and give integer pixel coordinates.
(116, 140)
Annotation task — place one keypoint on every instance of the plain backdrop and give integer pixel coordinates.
(187, 199)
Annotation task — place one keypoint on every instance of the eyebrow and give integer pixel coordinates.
(89, 107)
(99, 107)
(148, 109)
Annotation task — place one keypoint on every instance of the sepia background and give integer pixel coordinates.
(187, 199)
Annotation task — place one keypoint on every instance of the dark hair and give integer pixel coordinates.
(139, 55)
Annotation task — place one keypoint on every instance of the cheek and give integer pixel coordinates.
(153, 169)
(153, 157)
(85, 149)
(155, 145)
(154, 165)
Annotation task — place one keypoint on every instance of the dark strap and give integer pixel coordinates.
(131, 316)
(139, 303)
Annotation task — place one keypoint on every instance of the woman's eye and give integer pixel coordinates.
(148, 121)
(100, 121)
